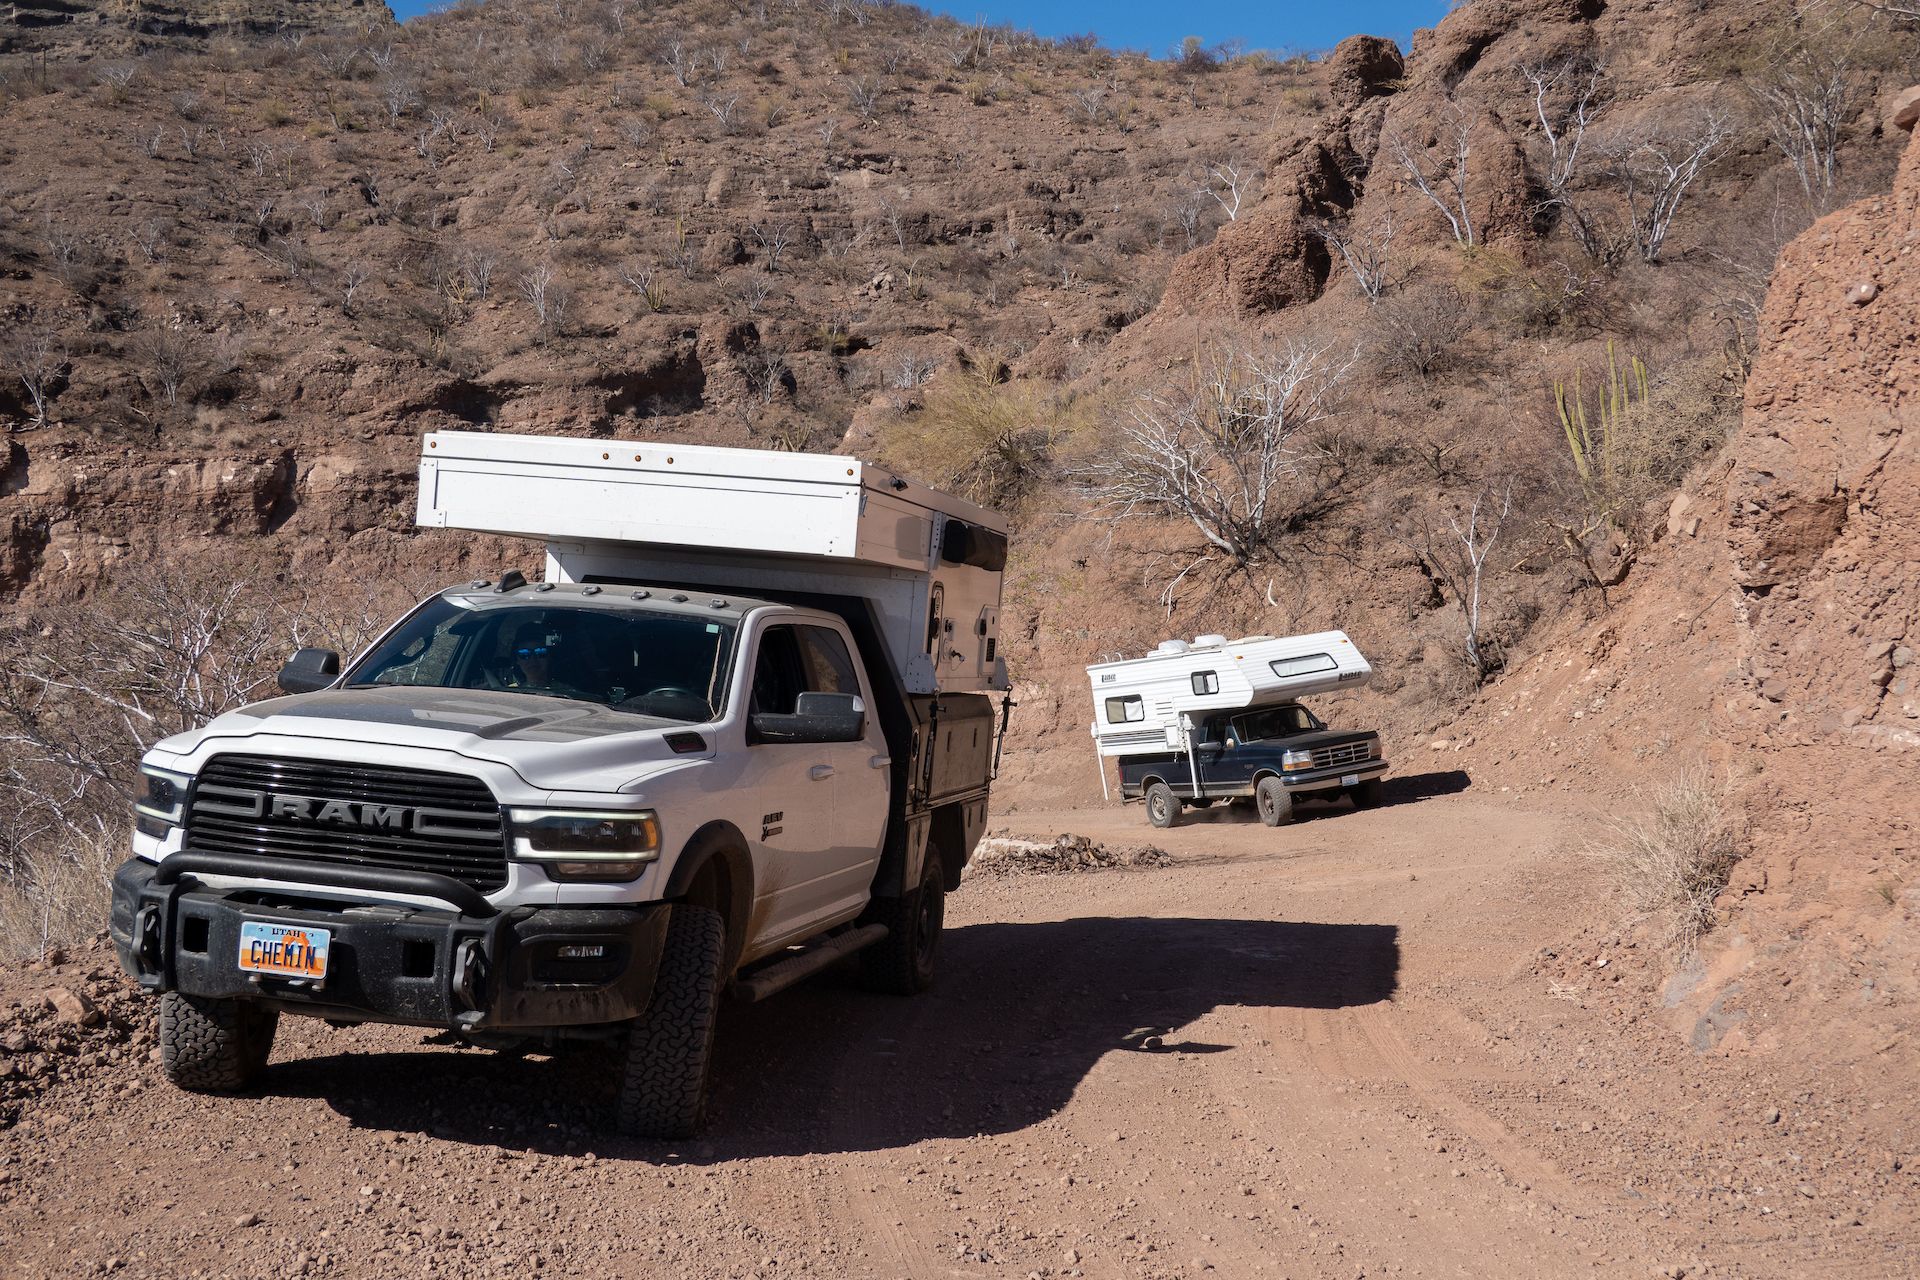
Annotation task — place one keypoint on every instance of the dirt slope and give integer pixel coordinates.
(1355, 1046)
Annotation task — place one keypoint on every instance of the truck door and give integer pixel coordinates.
(860, 777)
(791, 786)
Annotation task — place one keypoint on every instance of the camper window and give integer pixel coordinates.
(1206, 682)
(1303, 665)
(1125, 710)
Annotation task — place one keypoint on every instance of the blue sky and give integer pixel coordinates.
(1138, 24)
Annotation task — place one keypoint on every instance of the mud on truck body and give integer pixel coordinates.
(744, 727)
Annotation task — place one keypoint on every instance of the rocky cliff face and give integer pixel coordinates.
(128, 26)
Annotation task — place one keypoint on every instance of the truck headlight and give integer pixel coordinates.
(578, 845)
(1294, 761)
(160, 801)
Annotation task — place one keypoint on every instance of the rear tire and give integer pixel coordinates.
(1367, 794)
(903, 962)
(214, 1045)
(1163, 807)
(663, 1086)
(1274, 801)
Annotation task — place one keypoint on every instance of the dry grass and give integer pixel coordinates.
(1669, 864)
(55, 896)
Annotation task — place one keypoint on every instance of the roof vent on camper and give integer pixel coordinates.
(1172, 646)
(1209, 642)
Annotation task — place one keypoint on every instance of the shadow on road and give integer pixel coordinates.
(1414, 787)
(1019, 1016)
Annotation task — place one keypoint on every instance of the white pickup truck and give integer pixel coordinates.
(744, 727)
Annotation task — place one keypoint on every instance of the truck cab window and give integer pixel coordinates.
(779, 673)
(829, 666)
(1277, 722)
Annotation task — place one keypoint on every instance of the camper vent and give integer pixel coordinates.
(1172, 646)
(1209, 642)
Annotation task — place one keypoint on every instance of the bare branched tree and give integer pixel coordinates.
(644, 280)
(34, 354)
(866, 95)
(1656, 167)
(1440, 173)
(172, 355)
(1807, 96)
(548, 295)
(352, 276)
(1228, 186)
(774, 238)
(1230, 450)
(1364, 248)
(1455, 545)
(1568, 97)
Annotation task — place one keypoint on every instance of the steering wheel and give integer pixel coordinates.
(675, 691)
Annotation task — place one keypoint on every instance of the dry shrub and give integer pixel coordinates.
(978, 433)
(59, 894)
(1668, 865)
(1010, 856)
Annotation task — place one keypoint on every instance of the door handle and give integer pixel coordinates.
(879, 762)
(820, 772)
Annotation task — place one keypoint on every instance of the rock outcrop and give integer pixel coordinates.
(126, 26)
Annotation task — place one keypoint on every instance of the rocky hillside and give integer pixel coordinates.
(111, 28)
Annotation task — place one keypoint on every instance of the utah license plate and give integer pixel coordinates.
(283, 950)
(1349, 779)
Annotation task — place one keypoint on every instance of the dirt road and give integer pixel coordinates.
(1337, 1049)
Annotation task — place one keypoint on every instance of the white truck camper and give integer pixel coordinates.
(1217, 719)
(744, 727)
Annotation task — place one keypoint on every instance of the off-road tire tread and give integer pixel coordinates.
(663, 1086)
(214, 1045)
(1283, 813)
(1170, 802)
(888, 965)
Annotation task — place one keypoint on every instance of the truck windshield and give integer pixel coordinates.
(1276, 722)
(653, 663)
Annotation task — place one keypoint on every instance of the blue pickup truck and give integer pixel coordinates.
(1267, 757)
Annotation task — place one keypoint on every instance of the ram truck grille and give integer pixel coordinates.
(358, 815)
(1345, 753)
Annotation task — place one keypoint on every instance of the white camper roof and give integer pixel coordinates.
(566, 489)
(1139, 704)
(747, 520)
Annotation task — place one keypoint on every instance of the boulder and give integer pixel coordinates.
(1362, 67)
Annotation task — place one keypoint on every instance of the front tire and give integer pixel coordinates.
(1274, 801)
(214, 1045)
(663, 1086)
(903, 962)
(1163, 807)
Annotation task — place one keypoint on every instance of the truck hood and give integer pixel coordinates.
(552, 743)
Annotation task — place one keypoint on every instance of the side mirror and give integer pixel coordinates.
(817, 717)
(308, 670)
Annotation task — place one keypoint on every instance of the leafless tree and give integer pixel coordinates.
(637, 133)
(314, 204)
(1366, 249)
(1655, 168)
(1186, 215)
(1440, 173)
(260, 156)
(116, 75)
(774, 239)
(680, 60)
(172, 354)
(1087, 104)
(1228, 187)
(398, 95)
(547, 295)
(766, 374)
(148, 137)
(35, 355)
(751, 289)
(829, 130)
(1807, 96)
(644, 280)
(1455, 548)
(477, 264)
(1568, 97)
(352, 276)
(1227, 449)
(1414, 332)
(722, 107)
(151, 238)
(912, 371)
(486, 127)
(866, 94)
(192, 138)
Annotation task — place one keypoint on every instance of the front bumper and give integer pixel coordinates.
(458, 969)
(1333, 779)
